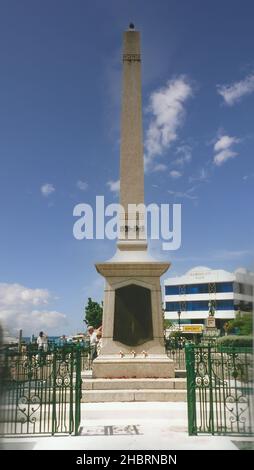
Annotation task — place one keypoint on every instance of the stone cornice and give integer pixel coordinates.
(149, 269)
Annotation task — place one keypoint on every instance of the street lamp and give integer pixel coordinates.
(179, 319)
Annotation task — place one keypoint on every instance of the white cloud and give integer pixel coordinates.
(223, 156)
(160, 167)
(175, 174)
(18, 295)
(184, 155)
(82, 185)
(114, 186)
(17, 309)
(166, 106)
(225, 142)
(233, 93)
(47, 189)
(42, 320)
(223, 150)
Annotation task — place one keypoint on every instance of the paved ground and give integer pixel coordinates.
(131, 426)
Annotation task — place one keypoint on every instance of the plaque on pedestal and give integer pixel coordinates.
(210, 322)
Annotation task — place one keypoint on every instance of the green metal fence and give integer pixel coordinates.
(175, 351)
(40, 392)
(219, 390)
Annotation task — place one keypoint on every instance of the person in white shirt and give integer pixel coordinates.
(99, 342)
(42, 342)
(93, 341)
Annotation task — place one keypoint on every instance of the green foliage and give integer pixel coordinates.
(236, 341)
(176, 334)
(93, 313)
(167, 323)
(175, 340)
(242, 324)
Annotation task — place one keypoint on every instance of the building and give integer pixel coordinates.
(190, 296)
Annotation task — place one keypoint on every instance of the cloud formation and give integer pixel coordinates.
(47, 189)
(236, 91)
(25, 308)
(114, 186)
(166, 107)
(225, 142)
(184, 156)
(223, 149)
(82, 185)
(175, 174)
(160, 167)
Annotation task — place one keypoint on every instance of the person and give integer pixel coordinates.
(62, 340)
(42, 342)
(93, 341)
(99, 341)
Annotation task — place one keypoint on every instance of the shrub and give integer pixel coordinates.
(236, 341)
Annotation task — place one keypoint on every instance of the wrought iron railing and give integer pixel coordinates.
(175, 351)
(40, 391)
(219, 390)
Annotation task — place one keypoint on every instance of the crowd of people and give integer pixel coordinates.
(95, 340)
(44, 345)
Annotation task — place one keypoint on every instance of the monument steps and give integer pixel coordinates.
(120, 390)
(130, 395)
(135, 384)
(180, 373)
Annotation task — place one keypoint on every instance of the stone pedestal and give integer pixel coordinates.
(210, 322)
(210, 327)
(133, 338)
(157, 366)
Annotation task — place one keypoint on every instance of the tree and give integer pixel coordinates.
(93, 313)
(242, 325)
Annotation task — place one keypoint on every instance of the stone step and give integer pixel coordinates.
(180, 373)
(95, 396)
(134, 384)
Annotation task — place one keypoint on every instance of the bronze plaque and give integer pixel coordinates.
(133, 315)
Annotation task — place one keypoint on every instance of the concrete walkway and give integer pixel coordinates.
(130, 426)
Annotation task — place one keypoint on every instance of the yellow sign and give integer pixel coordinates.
(192, 328)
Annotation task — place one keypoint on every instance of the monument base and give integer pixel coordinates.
(138, 367)
(210, 322)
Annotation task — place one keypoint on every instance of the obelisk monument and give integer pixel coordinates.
(132, 328)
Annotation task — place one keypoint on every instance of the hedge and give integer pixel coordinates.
(235, 340)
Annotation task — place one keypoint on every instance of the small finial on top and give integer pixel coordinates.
(131, 27)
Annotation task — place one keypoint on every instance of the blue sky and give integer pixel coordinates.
(60, 88)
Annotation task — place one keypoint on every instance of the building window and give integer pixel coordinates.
(197, 289)
(172, 306)
(172, 290)
(201, 305)
(224, 286)
(200, 288)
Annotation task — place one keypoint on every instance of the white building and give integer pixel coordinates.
(192, 293)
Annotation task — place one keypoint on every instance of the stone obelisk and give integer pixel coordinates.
(132, 160)
(132, 338)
